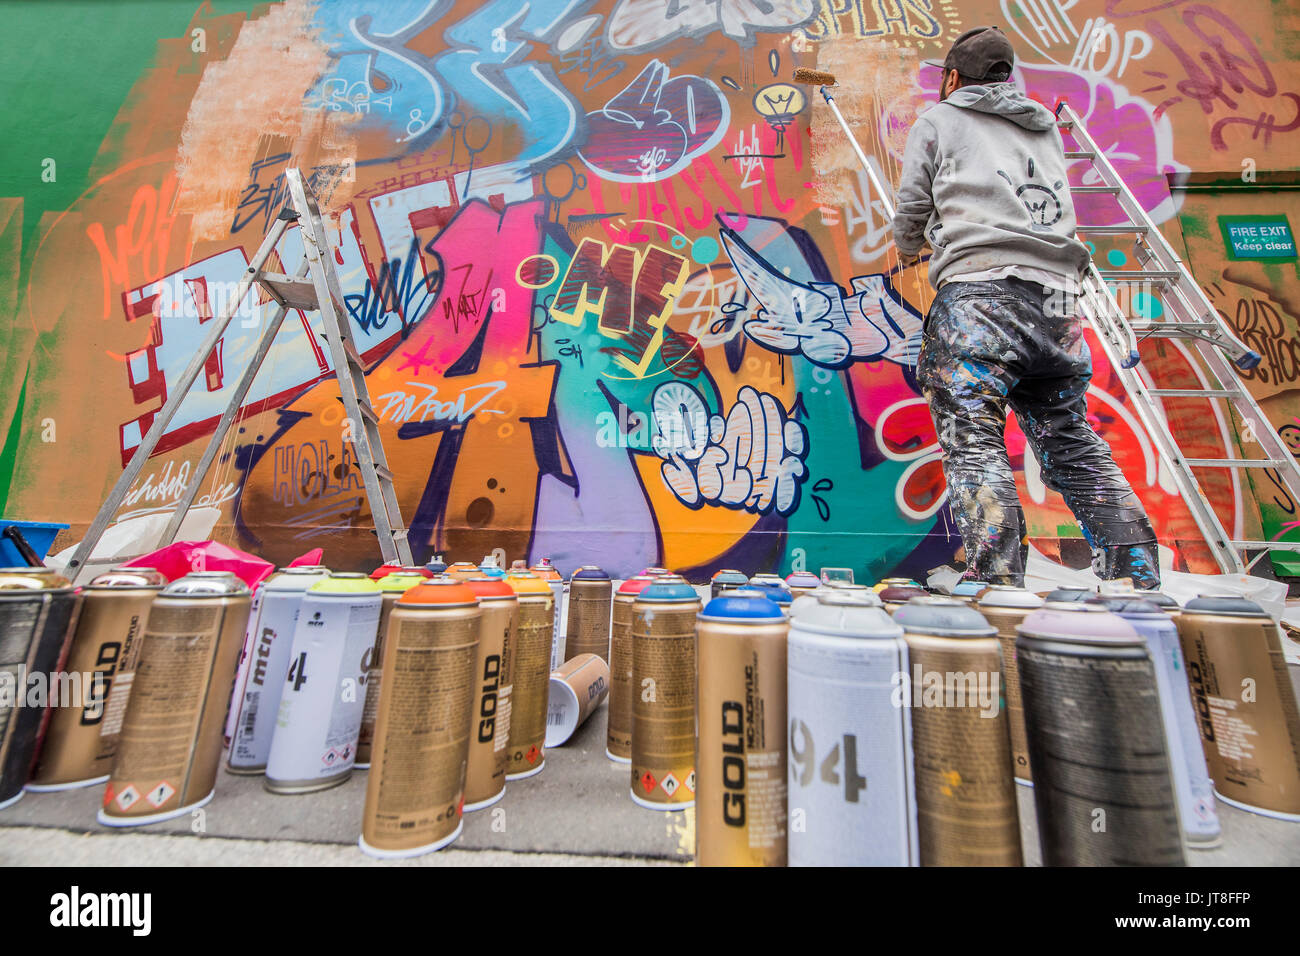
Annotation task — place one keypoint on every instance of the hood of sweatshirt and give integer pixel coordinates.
(1006, 100)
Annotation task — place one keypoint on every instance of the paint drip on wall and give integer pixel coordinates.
(250, 106)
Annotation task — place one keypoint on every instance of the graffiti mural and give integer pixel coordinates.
(606, 312)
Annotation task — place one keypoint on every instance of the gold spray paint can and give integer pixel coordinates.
(740, 817)
(393, 585)
(1005, 607)
(577, 688)
(618, 732)
(170, 748)
(464, 570)
(961, 749)
(532, 669)
(81, 742)
(1245, 704)
(416, 786)
(489, 723)
(590, 593)
(663, 702)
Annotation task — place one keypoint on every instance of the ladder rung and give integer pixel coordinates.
(1233, 462)
(1269, 545)
(400, 533)
(382, 472)
(1065, 124)
(1137, 275)
(1195, 392)
(1113, 190)
(1156, 326)
(1080, 154)
(294, 292)
(1118, 230)
(367, 412)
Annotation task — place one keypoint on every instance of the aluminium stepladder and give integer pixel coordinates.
(1187, 316)
(314, 287)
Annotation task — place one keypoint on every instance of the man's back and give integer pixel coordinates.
(984, 182)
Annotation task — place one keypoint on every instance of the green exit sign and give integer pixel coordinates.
(1257, 237)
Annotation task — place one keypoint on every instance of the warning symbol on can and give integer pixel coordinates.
(648, 781)
(128, 797)
(160, 794)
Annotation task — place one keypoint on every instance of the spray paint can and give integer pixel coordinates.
(801, 583)
(546, 571)
(1245, 704)
(837, 576)
(1069, 595)
(415, 791)
(590, 594)
(896, 595)
(81, 740)
(436, 566)
(314, 745)
(965, 790)
(269, 638)
(490, 709)
(657, 572)
(969, 591)
(38, 617)
(861, 810)
(1192, 785)
(464, 570)
(246, 654)
(726, 580)
(810, 601)
(577, 688)
(1005, 607)
(391, 587)
(1103, 789)
(884, 583)
(618, 733)
(170, 748)
(663, 702)
(532, 669)
(740, 770)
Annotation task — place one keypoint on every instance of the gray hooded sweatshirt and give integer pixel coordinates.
(984, 183)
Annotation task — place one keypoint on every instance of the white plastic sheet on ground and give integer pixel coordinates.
(136, 536)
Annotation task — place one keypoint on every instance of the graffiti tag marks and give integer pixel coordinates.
(628, 292)
(403, 407)
(642, 24)
(655, 126)
(818, 320)
(753, 460)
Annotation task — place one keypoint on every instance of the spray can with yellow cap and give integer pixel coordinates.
(314, 746)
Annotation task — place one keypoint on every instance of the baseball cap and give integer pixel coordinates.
(976, 53)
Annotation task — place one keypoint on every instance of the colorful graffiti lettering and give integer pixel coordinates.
(606, 312)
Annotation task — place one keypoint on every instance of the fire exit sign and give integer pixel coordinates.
(1257, 237)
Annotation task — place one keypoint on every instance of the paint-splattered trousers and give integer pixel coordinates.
(1011, 343)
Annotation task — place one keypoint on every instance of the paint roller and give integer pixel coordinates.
(825, 81)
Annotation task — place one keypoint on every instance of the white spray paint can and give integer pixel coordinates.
(314, 745)
(852, 795)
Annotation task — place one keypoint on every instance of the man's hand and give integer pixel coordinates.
(906, 260)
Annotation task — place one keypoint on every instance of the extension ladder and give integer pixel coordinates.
(314, 287)
(1187, 316)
